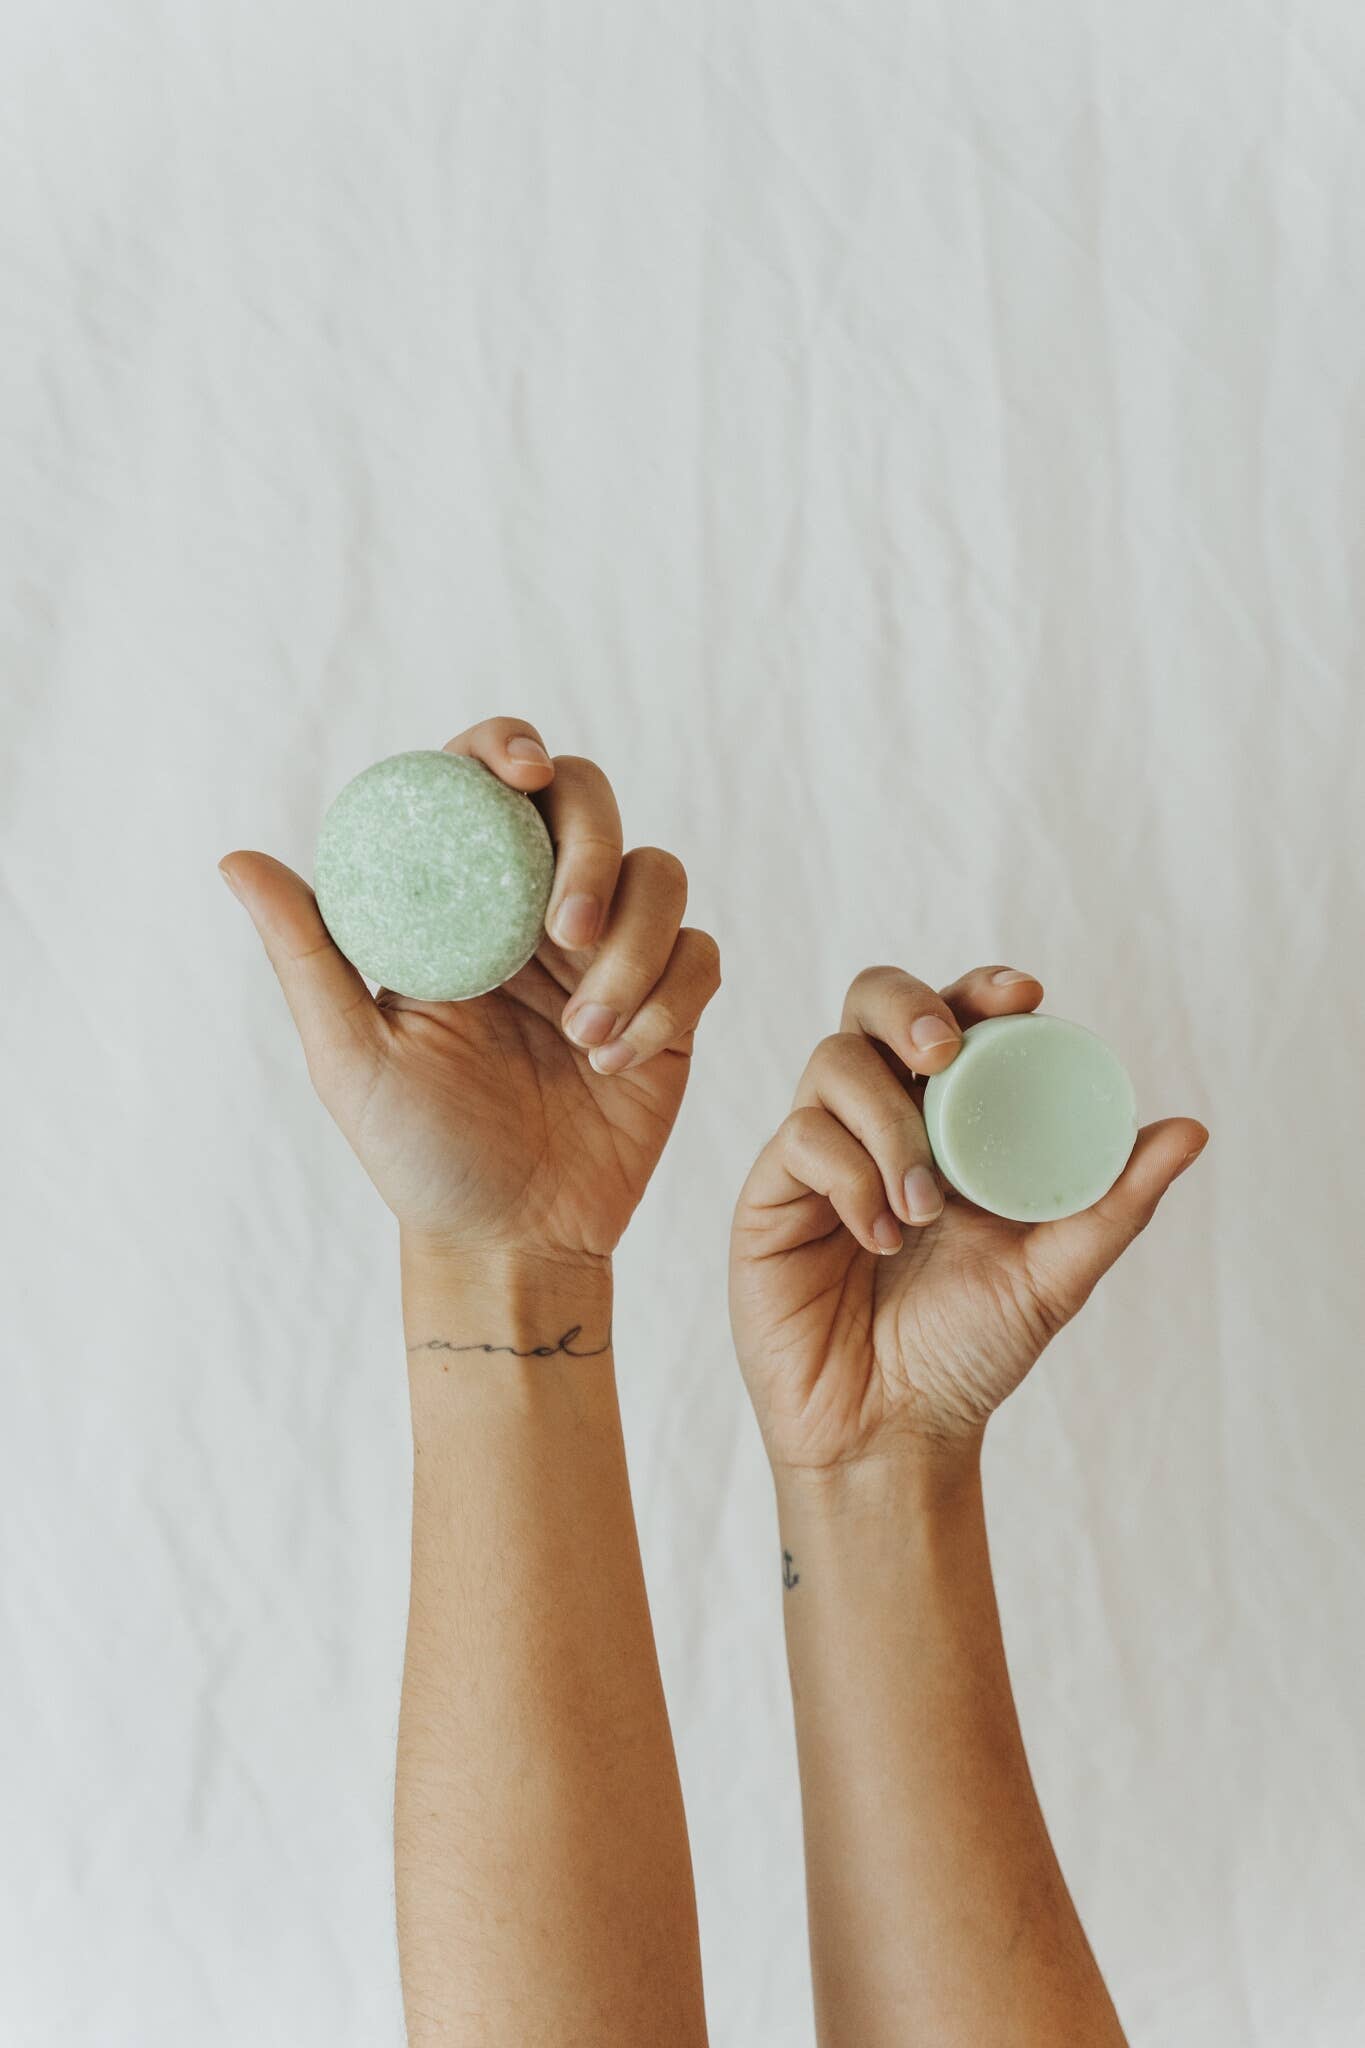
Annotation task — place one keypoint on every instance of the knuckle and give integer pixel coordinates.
(832, 1050)
(705, 952)
(906, 1124)
(305, 953)
(623, 977)
(855, 1184)
(661, 1024)
(871, 977)
(599, 845)
(1123, 1221)
(633, 955)
(803, 1128)
(661, 866)
(1137, 1222)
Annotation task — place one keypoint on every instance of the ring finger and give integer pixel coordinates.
(642, 925)
(667, 1017)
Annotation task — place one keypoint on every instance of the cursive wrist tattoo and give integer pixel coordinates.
(563, 1345)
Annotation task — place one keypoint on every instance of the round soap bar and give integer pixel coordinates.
(432, 876)
(1034, 1119)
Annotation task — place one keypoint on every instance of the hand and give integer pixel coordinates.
(489, 1125)
(856, 1336)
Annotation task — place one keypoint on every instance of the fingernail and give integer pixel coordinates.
(591, 1024)
(576, 921)
(927, 1032)
(1004, 975)
(611, 1059)
(1192, 1155)
(227, 877)
(886, 1232)
(524, 748)
(923, 1196)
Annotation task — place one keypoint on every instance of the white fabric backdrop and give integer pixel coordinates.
(917, 450)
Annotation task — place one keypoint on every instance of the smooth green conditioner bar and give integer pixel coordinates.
(1035, 1118)
(433, 877)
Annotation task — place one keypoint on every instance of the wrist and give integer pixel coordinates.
(506, 1350)
(856, 1535)
(448, 1253)
(914, 1476)
(471, 1309)
(512, 1272)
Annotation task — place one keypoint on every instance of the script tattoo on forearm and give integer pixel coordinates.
(563, 1345)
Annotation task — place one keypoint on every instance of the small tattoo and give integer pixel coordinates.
(789, 1577)
(563, 1344)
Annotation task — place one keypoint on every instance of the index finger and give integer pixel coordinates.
(511, 747)
(923, 1026)
(904, 1013)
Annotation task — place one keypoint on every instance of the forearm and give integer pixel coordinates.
(543, 1877)
(937, 1908)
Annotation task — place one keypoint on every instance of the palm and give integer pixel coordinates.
(851, 1346)
(480, 1119)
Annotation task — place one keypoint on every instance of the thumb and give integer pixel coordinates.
(327, 997)
(1065, 1258)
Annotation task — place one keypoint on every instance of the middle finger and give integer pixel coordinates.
(580, 811)
(642, 925)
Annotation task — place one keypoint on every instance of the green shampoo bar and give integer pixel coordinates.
(433, 877)
(1034, 1119)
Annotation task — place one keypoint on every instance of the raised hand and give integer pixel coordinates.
(530, 1119)
(872, 1306)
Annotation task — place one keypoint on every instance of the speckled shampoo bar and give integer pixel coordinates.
(433, 877)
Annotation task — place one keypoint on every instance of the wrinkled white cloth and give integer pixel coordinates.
(916, 450)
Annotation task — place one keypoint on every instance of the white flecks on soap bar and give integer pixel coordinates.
(1034, 1119)
(433, 877)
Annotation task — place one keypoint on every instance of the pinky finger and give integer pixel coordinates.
(671, 1009)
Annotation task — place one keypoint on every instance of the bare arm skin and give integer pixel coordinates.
(544, 1883)
(541, 1860)
(937, 1908)
(880, 1320)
